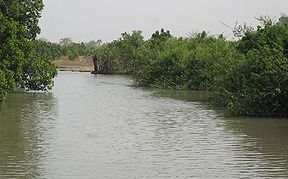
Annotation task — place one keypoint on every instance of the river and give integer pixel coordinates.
(97, 126)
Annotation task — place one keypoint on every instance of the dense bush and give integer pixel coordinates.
(259, 86)
(164, 65)
(121, 53)
(18, 30)
(192, 63)
(212, 57)
(3, 85)
(248, 76)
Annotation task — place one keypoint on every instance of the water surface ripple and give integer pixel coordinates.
(95, 126)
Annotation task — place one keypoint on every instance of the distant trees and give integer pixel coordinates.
(49, 50)
(66, 41)
(94, 43)
(99, 42)
(66, 47)
(283, 19)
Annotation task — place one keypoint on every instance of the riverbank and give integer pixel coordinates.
(81, 64)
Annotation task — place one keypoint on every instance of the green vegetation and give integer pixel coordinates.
(259, 85)
(66, 47)
(248, 76)
(119, 55)
(20, 65)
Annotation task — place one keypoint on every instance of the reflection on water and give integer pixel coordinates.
(94, 126)
(184, 95)
(23, 119)
(258, 139)
(266, 139)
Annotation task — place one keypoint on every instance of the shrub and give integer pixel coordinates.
(259, 86)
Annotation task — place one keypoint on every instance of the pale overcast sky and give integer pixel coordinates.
(85, 20)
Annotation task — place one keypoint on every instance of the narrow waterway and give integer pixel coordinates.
(95, 126)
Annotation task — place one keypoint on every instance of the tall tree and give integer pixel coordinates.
(66, 41)
(20, 65)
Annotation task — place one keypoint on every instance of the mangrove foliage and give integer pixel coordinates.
(20, 64)
(248, 76)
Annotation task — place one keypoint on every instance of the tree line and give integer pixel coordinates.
(65, 48)
(248, 76)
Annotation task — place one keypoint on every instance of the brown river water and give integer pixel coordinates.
(96, 126)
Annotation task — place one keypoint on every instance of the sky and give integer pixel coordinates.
(85, 20)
